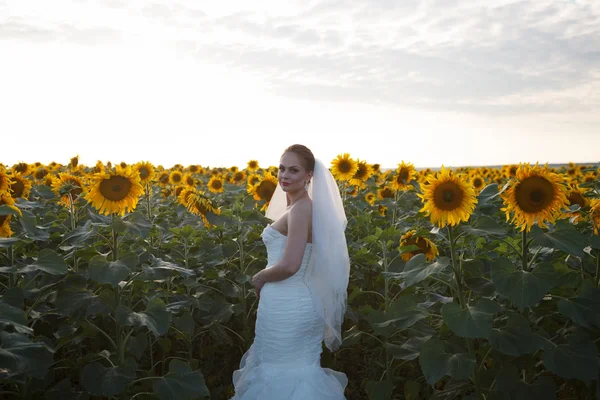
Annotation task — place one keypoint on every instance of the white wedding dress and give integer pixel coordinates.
(284, 362)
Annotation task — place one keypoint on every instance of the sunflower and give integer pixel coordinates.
(146, 171)
(74, 162)
(176, 177)
(253, 179)
(20, 186)
(239, 177)
(40, 173)
(537, 195)
(163, 178)
(385, 193)
(22, 169)
(189, 180)
(382, 210)
(115, 192)
(49, 180)
(99, 167)
(343, 167)
(376, 168)
(425, 246)
(575, 196)
(199, 204)
(233, 169)
(363, 172)
(194, 169)
(252, 166)
(264, 189)
(5, 230)
(183, 195)
(478, 182)
(215, 184)
(447, 199)
(67, 184)
(123, 164)
(595, 215)
(370, 198)
(405, 173)
(5, 182)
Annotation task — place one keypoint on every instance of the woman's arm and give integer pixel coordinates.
(298, 225)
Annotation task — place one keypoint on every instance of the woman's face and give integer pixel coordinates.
(292, 173)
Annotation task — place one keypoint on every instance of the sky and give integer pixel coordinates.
(217, 83)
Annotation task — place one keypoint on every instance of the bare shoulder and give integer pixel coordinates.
(302, 208)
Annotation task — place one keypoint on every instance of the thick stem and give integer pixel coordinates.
(115, 243)
(11, 276)
(597, 267)
(463, 305)
(524, 249)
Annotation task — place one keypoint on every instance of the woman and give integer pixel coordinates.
(302, 291)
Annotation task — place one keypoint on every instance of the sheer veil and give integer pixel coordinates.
(328, 270)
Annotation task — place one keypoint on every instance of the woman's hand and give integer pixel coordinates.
(258, 283)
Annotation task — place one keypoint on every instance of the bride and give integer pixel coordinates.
(302, 290)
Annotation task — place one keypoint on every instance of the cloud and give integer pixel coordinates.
(507, 56)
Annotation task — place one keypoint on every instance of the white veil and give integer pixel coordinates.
(328, 271)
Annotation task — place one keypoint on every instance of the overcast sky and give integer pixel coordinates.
(221, 82)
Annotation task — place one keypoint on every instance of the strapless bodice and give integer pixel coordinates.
(275, 242)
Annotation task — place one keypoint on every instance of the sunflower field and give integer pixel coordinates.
(133, 281)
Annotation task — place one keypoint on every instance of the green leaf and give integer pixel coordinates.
(13, 316)
(160, 270)
(408, 350)
(583, 309)
(156, 317)
(516, 338)
(485, 226)
(6, 210)
(574, 360)
(180, 383)
(186, 324)
(105, 381)
(565, 237)
(594, 244)
(523, 288)
(22, 358)
(103, 271)
(138, 225)
(81, 234)
(379, 390)
(77, 304)
(436, 362)
(403, 313)
(138, 344)
(417, 269)
(352, 336)
(48, 261)
(473, 275)
(472, 322)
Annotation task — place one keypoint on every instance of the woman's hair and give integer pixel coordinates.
(305, 154)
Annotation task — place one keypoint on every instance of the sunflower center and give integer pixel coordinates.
(477, 182)
(21, 167)
(534, 194)
(144, 172)
(17, 188)
(403, 175)
(344, 167)
(266, 189)
(115, 188)
(448, 196)
(2, 219)
(576, 198)
(217, 184)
